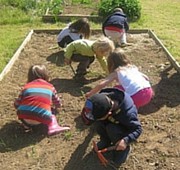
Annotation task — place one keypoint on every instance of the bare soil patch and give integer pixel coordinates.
(80, 8)
(158, 146)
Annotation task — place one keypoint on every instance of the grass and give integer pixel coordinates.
(11, 38)
(162, 16)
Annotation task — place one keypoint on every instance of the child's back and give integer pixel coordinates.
(35, 102)
(76, 30)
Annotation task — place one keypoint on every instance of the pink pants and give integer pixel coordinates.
(140, 98)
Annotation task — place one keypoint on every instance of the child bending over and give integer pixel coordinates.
(84, 51)
(115, 27)
(116, 119)
(130, 79)
(34, 104)
(76, 30)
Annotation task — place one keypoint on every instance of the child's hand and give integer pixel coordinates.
(67, 61)
(87, 95)
(121, 145)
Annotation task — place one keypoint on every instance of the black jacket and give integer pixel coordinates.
(125, 114)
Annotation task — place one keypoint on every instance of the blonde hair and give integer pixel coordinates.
(104, 46)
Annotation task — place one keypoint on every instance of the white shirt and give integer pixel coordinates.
(66, 32)
(132, 80)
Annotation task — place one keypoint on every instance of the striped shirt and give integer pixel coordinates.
(35, 101)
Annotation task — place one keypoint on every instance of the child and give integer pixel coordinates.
(116, 121)
(84, 52)
(130, 79)
(35, 101)
(76, 30)
(115, 27)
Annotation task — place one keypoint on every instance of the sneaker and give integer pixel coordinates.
(80, 78)
(121, 156)
(125, 44)
(117, 45)
(26, 128)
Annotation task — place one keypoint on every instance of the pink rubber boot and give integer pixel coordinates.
(54, 128)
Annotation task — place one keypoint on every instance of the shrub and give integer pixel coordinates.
(131, 8)
(55, 7)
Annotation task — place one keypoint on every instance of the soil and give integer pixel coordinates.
(82, 7)
(156, 149)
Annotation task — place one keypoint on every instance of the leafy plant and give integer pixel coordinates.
(55, 6)
(131, 8)
(67, 135)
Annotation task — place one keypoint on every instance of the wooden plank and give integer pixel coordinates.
(138, 31)
(15, 56)
(174, 63)
(48, 31)
(55, 31)
(172, 60)
(70, 17)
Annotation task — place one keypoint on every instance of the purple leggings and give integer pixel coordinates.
(140, 98)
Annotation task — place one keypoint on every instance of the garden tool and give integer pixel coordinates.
(72, 69)
(102, 159)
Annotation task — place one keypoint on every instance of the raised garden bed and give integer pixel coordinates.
(74, 11)
(158, 146)
(70, 17)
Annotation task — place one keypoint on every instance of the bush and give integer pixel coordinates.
(55, 7)
(131, 8)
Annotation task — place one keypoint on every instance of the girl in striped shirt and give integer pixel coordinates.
(35, 102)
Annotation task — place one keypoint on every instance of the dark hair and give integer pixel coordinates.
(36, 72)
(117, 58)
(81, 26)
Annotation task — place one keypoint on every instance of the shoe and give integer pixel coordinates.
(117, 45)
(54, 128)
(125, 44)
(80, 78)
(57, 129)
(121, 156)
(26, 128)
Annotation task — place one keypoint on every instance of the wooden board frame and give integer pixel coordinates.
(7, 68)
(69, 17)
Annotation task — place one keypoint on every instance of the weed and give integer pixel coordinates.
(67, 135)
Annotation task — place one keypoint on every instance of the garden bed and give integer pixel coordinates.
(157, 147)
(73, 12)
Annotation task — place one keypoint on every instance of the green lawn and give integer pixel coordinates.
(162, 16)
